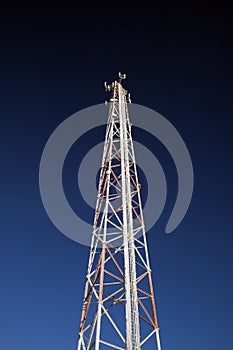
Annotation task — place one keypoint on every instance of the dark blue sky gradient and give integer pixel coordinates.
(54, 59)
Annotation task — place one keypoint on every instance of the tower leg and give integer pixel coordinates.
(158, 339)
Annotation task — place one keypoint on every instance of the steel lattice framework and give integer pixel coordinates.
(119, 309)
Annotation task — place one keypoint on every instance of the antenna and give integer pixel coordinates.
(122, 77)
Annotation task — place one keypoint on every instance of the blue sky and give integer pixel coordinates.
(179, 62)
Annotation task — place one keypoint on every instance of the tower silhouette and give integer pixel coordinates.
(118, 310)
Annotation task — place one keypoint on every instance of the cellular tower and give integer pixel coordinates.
(118, 310)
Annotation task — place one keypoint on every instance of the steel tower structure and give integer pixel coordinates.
(119, 309)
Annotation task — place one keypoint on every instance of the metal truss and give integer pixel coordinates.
(119, 309)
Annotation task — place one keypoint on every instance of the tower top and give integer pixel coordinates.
(109, 87)
(112, 86)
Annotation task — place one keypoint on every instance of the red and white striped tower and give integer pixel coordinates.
(118, 310)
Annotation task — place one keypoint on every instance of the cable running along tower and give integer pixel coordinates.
(118, 309)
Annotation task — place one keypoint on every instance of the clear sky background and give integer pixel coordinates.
(54, 59)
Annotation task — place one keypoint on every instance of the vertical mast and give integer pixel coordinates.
(118, 307)
(132, 323)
